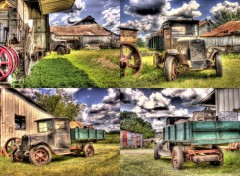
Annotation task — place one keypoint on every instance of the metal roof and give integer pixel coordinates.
(229, 28)
(80, 30)
(51, 6)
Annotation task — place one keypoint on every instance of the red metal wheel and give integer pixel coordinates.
(10, 146)
(6, 63)
(15, 56)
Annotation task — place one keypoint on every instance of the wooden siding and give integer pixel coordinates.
(13, 104)
(130, 139)
(226, 101)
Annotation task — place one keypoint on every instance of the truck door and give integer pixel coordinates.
(62, 134)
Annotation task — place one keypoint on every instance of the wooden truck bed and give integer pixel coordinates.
(203, 132)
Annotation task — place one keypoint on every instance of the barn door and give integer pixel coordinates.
(124, 138)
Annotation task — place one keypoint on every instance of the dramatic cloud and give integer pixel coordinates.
(188, 10)
(226, 6)
(105, 115)
(147, 7)
(29, 92)
(112, 18)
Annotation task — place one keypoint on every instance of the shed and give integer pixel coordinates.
(205, 26)
(226, 35)
(130, 139)
(225, 101)
(18, 113)
(86, 31)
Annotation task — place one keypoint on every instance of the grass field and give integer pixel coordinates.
(154, 78)
(84, 68)
(142, 164)
(105, 162)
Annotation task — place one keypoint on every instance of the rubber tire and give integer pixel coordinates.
(60, 50)
(32, 159)
(179, 156)
(85, 150)
(13, 156)
(218, 163)
(218, 65)
(168, 67)
(158, 147)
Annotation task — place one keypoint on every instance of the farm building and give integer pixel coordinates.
(130, 139)
(18, 113)
(205, 26)
(226, 35)
(84, 32)
(226, 102)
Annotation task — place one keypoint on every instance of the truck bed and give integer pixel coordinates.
(87, 134)
(203, 132)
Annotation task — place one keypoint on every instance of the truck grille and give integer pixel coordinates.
(198, 53)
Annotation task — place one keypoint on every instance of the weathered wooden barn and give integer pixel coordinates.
(18, 113)
(226, 35)
(130, 139)
(86, 31)
(205, 26)
(226, 102)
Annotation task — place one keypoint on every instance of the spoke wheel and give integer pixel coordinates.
(130, 61)
(88, 150)
(15, 56)
(6, 62)
(40, 155)
(177, 158)
(10, 146)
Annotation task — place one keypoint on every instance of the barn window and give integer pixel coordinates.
(20, 122)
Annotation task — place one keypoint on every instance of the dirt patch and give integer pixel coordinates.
(136, 151)
(106, 63)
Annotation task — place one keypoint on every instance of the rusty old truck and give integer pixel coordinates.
(196, 139)
(55, 137)
(180, 49)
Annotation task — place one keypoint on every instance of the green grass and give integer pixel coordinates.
(84, 68)
(144, 164)
(153, 78)
(105, 162)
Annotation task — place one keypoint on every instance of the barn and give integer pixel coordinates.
(205, 26)
(18, 113)
(87, 31)
(226, 35)
(130, 139)
(226, 102)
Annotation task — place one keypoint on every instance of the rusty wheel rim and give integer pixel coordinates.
(130, 60)
(89, 151)
(174, 159)
(10, 146)
(174, 71)
(41, 156)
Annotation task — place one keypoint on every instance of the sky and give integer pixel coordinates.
(151, 104)
(148, 15)
(105, 12)
(102, 105)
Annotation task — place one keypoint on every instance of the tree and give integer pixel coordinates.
(60, 104)
(131, 122)
(223, 16)
(140, 43)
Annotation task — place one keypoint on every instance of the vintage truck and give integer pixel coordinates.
(196, 139)
(55, 137)
(183, 50)
(60, 46)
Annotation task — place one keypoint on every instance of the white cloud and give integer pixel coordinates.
(112, 18)
(226, 6)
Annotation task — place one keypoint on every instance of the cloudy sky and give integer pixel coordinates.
(105, 12)
(102, 105)
(152, 104)
(148, 15)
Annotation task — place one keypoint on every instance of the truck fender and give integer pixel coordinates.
(55, 49)
(42, 143)
(172, 52)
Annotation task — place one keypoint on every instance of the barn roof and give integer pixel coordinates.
(229, 28)
(80, 30)
(51, 6)
(88, 18)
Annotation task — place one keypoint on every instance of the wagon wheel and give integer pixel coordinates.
(15, 56)
(88, 150)
(170, 68)
(6, 63)
(10, 145)
(177, 158)
(40, 155)
(130, 61)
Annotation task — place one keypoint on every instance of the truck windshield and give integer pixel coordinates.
(60, 125)
(180, 30)
(45, 126)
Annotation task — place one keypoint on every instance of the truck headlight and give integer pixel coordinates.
(183, 50)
